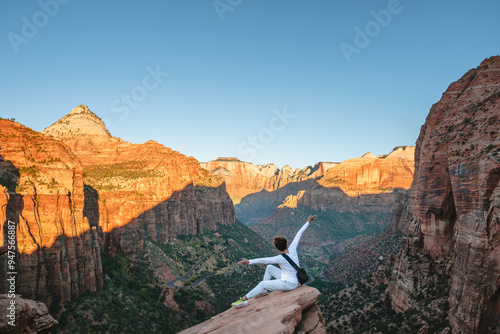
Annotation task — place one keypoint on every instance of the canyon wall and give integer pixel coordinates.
(258, 190)
(140, 191)
(455, 204)
(373, 175)
(58, 254)
(74, 191)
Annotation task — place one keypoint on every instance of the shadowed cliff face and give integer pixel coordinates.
(69, 202)
(455, 202)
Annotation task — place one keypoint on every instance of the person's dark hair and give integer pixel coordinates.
(280, 243)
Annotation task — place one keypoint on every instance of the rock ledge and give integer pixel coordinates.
(277, 313)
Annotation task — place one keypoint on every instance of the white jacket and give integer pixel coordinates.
(288, 273)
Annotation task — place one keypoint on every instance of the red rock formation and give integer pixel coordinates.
(373, 175)
(401, 213)
(244, 178)
(279, 312)
(58, 255)
(258, 190)
(455, 203)
(31, 316)
(141, 190)
(366, 175)
(67, 190)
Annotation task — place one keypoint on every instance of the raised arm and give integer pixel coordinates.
(296, 240)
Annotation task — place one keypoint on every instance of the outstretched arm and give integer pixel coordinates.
(264, 260)
(296, 240)
(275, 259)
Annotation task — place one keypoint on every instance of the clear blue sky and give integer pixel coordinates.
(232, 68)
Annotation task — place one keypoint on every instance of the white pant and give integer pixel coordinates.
(271, 285)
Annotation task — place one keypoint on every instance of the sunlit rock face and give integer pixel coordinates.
(42, 193)
(74, 191)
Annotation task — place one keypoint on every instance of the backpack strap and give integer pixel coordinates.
(290, 261)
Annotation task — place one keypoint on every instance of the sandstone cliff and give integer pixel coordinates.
(401, 212)
(455, 201)
(74, 191)
(140, 191)
(277, 313)
(58, 254)
(244, 178)
(373, 175)
(258, 190)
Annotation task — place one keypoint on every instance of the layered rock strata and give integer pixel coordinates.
(75, 191)
(373, 175)
(244, 178)
(57, 253)
(455, 204)
(258, 190)
(140, 191)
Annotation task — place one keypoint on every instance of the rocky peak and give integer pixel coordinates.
(80, 122)
(288, 170)
(402, 152)
(369, 155)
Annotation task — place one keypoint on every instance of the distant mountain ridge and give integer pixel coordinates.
(243, 178)
(258, 190)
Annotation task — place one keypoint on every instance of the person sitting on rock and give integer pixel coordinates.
(285, 278)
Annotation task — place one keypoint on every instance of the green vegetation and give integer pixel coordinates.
(126, 304)
(29, 170)
(365, 307)
(9, 179)
(331, 228)
(134, 298)
(108, 177)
